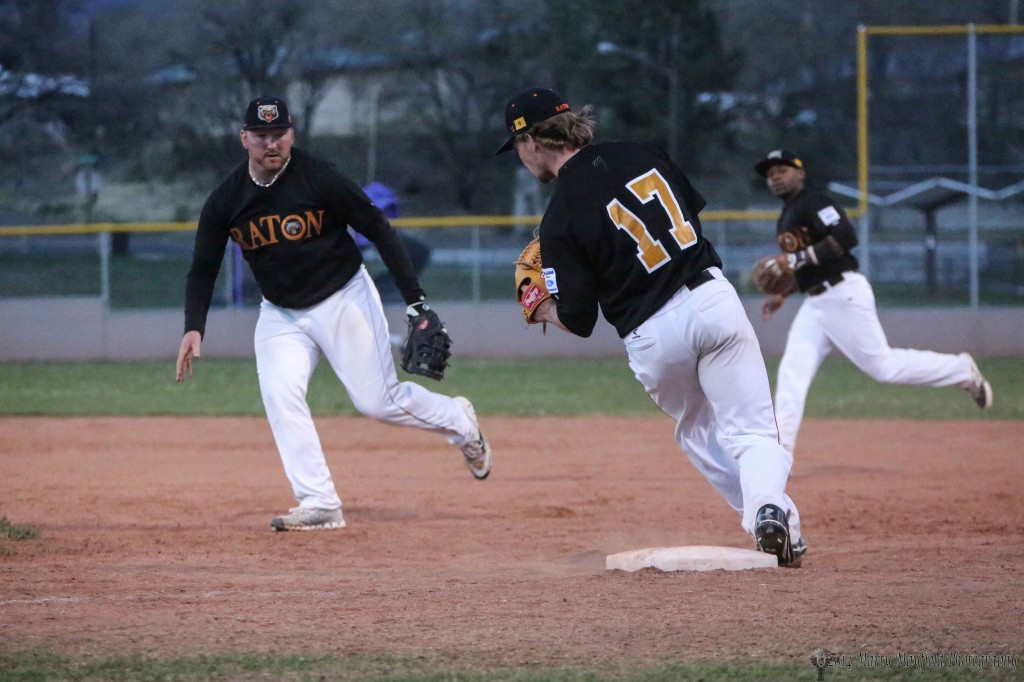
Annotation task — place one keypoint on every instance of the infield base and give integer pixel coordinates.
(690, 558)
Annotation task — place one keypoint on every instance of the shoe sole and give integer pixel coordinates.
(468, 409)
(476, 474)
(985, 401)
(772, 538)
(282, 527)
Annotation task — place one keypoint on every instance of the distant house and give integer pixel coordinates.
(36, 86)
(348, 87)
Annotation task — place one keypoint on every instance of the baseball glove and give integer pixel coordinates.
(773, 275)
(531, 290)
(428, 346)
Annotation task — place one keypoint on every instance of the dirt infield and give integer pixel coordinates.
(155, 540)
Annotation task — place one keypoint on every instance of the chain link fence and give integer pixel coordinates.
(471, 259)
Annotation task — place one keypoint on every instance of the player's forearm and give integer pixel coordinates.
(396, 259)
(198, 295)
(823, 251)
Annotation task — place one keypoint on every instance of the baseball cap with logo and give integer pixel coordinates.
(778, 157)
(267, 111)
(528, 108)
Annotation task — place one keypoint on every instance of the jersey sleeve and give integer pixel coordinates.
(575, 290)
(207, 256)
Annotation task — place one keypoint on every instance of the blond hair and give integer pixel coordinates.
(571, 129)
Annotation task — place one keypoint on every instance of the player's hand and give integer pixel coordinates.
(546, 312)
(189, 349)
(770, 305)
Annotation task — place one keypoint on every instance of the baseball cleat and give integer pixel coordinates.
(476, 451)
(298, 518)
(799, 549)
(979, 387)
(771, 530)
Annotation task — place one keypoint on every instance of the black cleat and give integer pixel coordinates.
(771, 530)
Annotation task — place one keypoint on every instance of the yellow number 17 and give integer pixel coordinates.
(649, 250)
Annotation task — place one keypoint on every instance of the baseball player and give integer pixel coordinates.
(816, 239)
(621, 234)
(289, 212)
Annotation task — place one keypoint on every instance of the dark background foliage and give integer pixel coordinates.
(153, 91)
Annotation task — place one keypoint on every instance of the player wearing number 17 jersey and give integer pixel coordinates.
(622, 235)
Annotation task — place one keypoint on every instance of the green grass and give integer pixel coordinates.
(9, 531)
(42, 665)
(516, 387)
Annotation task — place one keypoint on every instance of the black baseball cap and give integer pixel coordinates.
(528, 108)
(778, 157)
(267, 111)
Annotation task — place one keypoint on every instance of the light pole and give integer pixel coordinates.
(371, 133)
(671, 75)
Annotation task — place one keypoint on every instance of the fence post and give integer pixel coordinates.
(972, 156)
(864, 242)
(475, 245)
(104, 242)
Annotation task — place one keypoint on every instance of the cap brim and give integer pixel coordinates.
(269, 126)
(509, 143)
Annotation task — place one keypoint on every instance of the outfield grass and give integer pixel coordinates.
(515, 387)
(46, 666)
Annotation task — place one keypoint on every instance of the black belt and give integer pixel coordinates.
(822, 287)
(702, 277)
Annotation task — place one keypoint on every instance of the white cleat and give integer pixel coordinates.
(298, 518)
(979, 387)
(476, 451)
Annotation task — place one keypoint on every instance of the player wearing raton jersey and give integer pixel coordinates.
(290, 212)
(621, 234)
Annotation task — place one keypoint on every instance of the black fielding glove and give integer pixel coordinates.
(427, 346)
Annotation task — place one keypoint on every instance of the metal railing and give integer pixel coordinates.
(478, 252)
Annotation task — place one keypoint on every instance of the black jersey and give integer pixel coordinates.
(807, 218)
(294, 236)
(621, 233)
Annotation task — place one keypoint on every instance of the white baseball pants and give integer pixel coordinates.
(349, 329)
(700, 362)
(844, 318)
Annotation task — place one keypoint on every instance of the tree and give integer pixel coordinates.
(40, 78)
(651, 62)
(27, 30)
(466, 59)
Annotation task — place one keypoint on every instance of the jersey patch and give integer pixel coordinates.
(267, 113)
(550, 280)
(829, 215)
